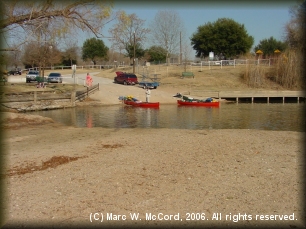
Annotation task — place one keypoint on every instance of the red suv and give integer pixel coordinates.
(126, 78)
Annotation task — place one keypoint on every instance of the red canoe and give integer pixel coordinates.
(198, 103)
(141, 104)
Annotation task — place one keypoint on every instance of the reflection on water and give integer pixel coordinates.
(263, 116)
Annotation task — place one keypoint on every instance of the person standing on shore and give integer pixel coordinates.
(148, 93)
(88, 80)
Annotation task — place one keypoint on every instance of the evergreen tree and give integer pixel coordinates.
(223, 36)
(94, 48)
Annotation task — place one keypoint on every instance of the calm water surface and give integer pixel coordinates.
(263, 116)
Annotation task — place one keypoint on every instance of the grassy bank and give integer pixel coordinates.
(205, 78)
(30, 87)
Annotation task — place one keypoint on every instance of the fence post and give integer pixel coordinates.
(73, 96)
(35, 97)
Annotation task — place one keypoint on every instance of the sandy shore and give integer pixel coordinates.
(65, 176)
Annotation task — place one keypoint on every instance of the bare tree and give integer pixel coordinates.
(4, 62)
(71, 52)
(14, 57)
(295, 28)
(27, 17)
(167, 29)
(126, 29)
(54, 55)
(291, 70)
(31, 54)
(186, 52)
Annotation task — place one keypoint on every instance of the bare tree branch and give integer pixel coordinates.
(62, 16)
(9, 49)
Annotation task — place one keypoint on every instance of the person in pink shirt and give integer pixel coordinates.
(88, 80)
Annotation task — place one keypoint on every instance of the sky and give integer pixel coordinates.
(261, 19)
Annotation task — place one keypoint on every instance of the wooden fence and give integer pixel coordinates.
(35, 96)
(81, 95)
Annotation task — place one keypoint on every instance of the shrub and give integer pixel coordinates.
(286, 71)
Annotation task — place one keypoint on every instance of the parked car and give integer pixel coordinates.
(16, 71)
(150, 85)
(32, 76)
(55, 77)
(126, 78)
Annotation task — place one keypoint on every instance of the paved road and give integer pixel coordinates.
(81, 77)
(109, 91)
(16, 79)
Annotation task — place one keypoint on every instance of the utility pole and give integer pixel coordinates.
(180, 48)
(39, 56)
(44, 60)
(134, 55)
(167, 56)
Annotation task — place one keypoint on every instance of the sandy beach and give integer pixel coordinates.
(63, 176)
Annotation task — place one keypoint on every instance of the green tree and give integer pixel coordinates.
(268, 46)
(223, 36)
(94, 48)
(139, 51)
(157, 53)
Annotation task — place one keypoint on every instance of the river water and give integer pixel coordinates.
(261, 116)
